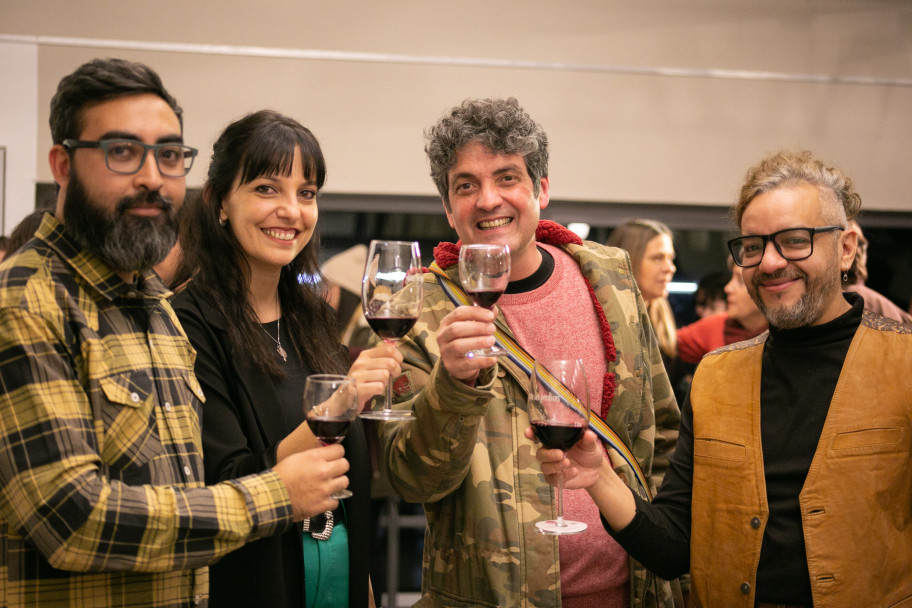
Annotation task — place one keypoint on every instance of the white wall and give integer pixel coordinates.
(18, 129)
(594, 73)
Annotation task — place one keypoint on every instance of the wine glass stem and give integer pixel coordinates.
(560, 499)
(388, 405)
(389, 394)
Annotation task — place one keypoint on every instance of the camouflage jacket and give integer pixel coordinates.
(465, 457)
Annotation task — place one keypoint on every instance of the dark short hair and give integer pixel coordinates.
(500, 125)
(98, 81)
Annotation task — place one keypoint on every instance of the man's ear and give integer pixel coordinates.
(449, 214)
(544, 195)
(848, 244)
(60, 162)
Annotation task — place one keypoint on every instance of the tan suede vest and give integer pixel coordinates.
(856, 504)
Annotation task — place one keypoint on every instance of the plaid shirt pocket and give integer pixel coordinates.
(127, 407)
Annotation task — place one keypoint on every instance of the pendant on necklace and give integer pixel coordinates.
(282, 352)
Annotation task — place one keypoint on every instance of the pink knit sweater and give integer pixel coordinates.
(555, 321)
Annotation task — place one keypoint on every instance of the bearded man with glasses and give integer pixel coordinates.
(790, 484)
(102, 499)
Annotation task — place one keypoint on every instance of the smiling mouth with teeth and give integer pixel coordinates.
(495, 223)
(282, 236)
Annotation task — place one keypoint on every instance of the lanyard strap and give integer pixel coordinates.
(519, 356)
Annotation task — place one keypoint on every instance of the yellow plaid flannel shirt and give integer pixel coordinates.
(102, 500)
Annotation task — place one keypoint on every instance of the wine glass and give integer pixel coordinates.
(391, 294)
(484, 271)
(559, 412)
(330, 407)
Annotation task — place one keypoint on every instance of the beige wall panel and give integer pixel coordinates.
(615, 136)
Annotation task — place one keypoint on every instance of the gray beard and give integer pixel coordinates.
(817, 293)
(125, 242)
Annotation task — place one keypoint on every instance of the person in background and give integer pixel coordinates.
(464, 456)
(741, 321)
(342, 273)
(652, 254)
(854, 281)
(4, 247)
(790, 484)
(101, 461)
(709, 298)
(259, 331)
(24, 231)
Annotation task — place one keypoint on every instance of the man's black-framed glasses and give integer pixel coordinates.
(126, 156)
(793, 244)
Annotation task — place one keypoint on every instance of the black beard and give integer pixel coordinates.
(125, 242)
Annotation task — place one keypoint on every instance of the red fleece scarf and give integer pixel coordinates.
(552, 233)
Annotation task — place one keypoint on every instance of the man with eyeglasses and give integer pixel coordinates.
(102, 500)
(791, 482)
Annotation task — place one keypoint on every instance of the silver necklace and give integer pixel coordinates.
(278, 338)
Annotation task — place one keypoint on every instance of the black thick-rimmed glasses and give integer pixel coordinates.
(793, 244)
(126, 156)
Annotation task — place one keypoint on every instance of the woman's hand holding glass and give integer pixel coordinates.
(372, 370)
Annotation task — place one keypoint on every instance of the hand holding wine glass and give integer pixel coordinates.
(391, 297)
(330, 406)
(559, 413)
(484, 271)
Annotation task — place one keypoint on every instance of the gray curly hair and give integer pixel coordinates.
(791, 168)
(500, 125)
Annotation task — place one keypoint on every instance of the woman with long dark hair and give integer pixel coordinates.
(260, 326)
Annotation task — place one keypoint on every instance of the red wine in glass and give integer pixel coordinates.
(484, 271)
(391, 328)
(329, 430)
(330, 406)
(558, 435)
(559, 413)
(485, 298)
(391, 298)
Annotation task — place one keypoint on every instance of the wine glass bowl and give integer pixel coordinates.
(330, 407)
(559, 414)
(484, 271)
(391, 298)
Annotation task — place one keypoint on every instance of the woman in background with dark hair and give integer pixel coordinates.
(259, 332)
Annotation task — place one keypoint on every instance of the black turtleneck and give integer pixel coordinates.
(799, 373)
(798, 378)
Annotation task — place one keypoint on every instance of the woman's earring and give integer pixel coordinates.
(845, 276)
(222, 222)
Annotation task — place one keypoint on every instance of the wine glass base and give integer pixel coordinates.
(387, 415)
(551, 527)
(342, 494)
(494, 351)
